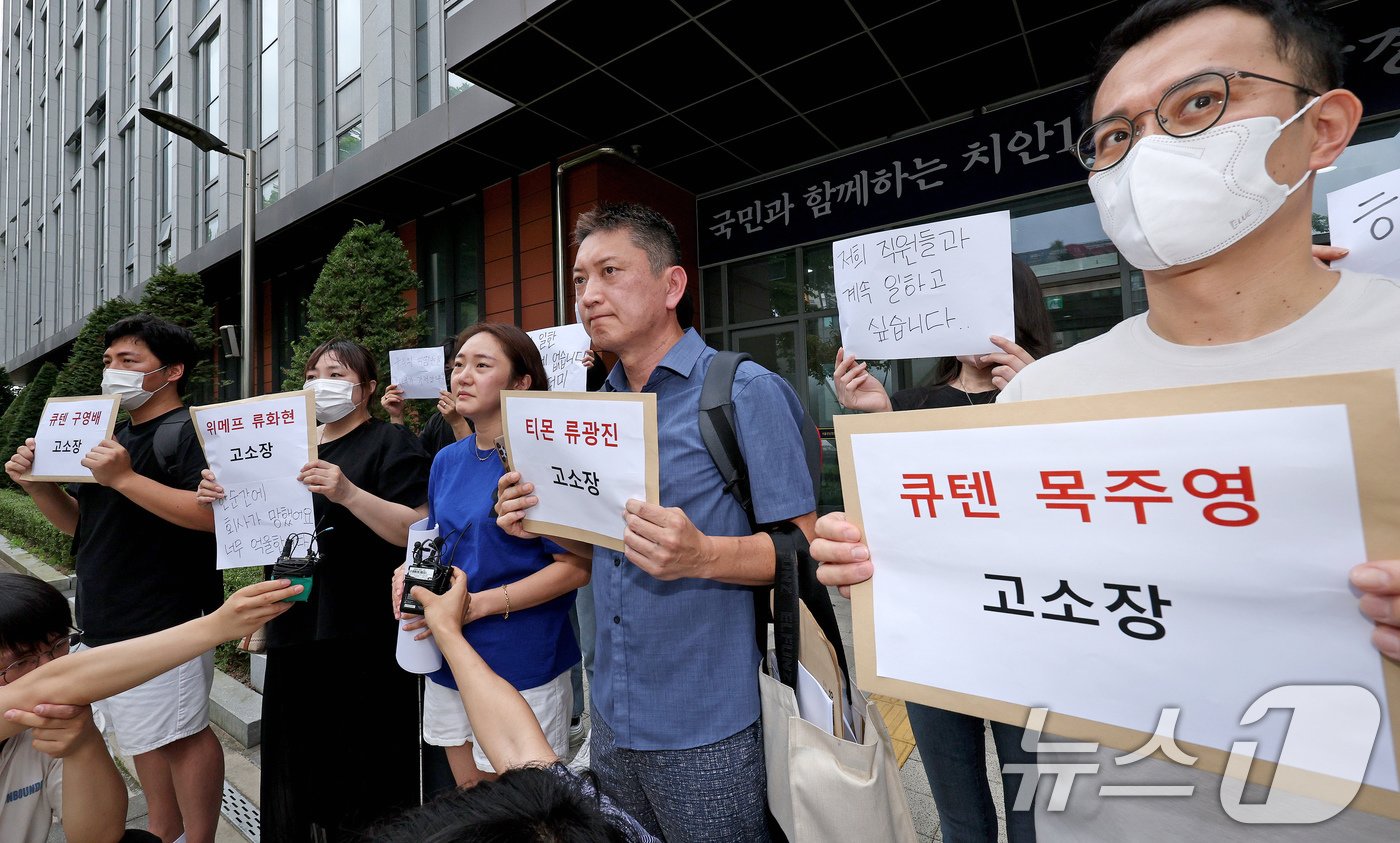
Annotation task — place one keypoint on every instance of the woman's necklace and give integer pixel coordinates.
(961, 386)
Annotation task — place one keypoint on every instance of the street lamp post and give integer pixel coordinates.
(211, 143)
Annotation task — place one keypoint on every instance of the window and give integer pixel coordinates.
(133, 43)
(423, 58)
(78, 251)
(99, 186)
(208, 116)
(165, 182)
(348, 143)
(164, 32)
(130, 205)
(450, 260)
(267, 71)
(271, 190)
(102, 51)
(347, 39)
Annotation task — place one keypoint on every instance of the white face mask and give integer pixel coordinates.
(1176, 200)
(127, 383)
(334, 398)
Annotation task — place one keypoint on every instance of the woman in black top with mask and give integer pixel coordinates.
(331, 672)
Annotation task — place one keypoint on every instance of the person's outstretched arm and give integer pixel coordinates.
(94, 795)
(502, 721)
(96, 674)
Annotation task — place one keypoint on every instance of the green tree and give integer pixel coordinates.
(178, 297)
(7, 391)
(82, 374)
(22, 419)
(360, 296)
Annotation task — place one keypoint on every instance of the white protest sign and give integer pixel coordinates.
(1182, 558)
(1361, 217)
(68, 429)
(420, 372)
(586, 454)
(562, 350)
(256, 448)
(933, 290)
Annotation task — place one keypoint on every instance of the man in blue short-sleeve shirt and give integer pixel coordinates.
(676, 735)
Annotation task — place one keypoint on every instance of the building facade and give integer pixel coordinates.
(478, 129)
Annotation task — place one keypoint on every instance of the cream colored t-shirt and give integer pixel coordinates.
(31, 791)
(1356, 327)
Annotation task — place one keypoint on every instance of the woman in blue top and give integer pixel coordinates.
(522, 590)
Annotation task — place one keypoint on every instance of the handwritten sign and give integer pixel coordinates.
(586, 454)
(562, 349)
(68, 429)
(419, 371)
(256, 447)
(1362, 218)
(932, 290)
(1201, 532)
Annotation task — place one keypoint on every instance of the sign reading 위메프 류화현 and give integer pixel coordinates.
(68, 429)
(587, 454)
(256, 448)
(1204, 532)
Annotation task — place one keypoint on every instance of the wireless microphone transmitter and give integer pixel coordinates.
(426, 570)
(298, 569)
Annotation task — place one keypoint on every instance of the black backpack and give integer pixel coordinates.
(795, 575)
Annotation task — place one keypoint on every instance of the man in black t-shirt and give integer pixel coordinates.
(145, 562)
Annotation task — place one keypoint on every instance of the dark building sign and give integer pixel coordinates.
(1012, 151)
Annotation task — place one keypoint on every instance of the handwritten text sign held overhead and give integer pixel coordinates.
(256, 448)
(586, 454)
(68, 429)
(1362, 217)
(419, 371)
(1203, 533)
(562, 350)
(931, 290)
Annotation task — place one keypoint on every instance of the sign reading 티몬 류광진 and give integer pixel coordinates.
(256, 448)
(587, 454)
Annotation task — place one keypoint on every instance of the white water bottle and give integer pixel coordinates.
(418, 656)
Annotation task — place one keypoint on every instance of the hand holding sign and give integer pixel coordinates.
(1362, 218)
(418, 371)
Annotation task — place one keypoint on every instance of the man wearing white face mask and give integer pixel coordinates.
(1209, 118)
(145, 560)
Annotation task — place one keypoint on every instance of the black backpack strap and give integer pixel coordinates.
(717, 427)
(796, 582)
(166, 441)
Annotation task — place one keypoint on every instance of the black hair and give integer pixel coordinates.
(650, 231)
(529, 804)
(170, 343)
(1034, 330)
(1303, 37)
(351, 355)
(32, 613)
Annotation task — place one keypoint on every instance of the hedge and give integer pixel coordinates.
(23, 524)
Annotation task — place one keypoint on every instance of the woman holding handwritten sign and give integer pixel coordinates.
(330, 665)
(953, 745)
(522, 589)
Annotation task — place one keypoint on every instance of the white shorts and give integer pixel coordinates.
(445, 718)
(172, 706)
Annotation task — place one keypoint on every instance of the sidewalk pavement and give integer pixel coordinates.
(242, 765)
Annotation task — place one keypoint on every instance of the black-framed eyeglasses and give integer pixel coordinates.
(38, 657)
(1188, 108)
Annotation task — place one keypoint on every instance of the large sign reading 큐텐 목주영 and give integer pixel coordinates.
(256, 448)
(931, 290)
(1185, 548)
(587, 454)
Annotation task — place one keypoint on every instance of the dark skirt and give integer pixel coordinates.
(340, 737)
